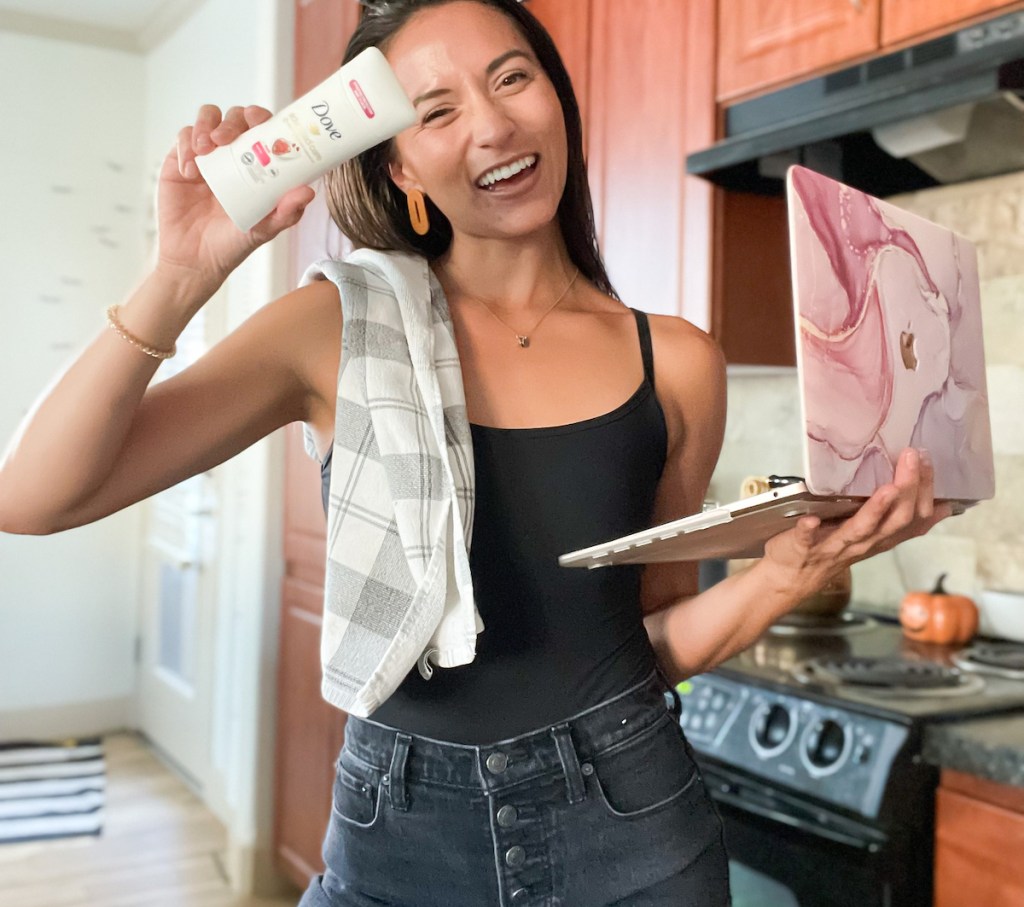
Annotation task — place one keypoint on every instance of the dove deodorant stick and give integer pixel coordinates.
(357, 107)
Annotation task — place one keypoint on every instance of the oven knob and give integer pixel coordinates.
(825, 744)
(772, 727)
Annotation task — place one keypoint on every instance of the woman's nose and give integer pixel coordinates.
(491, 122)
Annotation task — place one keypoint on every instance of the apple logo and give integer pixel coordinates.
(907, 350)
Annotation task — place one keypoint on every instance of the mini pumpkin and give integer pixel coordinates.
(938, 616)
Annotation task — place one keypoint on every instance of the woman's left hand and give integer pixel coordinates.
(812, 551)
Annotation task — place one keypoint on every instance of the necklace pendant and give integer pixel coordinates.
(524, 342)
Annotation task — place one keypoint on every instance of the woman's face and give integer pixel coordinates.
(489, 144)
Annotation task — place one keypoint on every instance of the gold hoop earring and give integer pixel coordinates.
(418, 212)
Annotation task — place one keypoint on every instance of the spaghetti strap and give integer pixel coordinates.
(643, 328)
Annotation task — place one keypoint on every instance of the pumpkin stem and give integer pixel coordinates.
(938, 590)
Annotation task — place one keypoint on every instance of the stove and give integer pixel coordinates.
(810, 742)
(839, 662)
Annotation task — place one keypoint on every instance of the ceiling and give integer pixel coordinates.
(128, 24)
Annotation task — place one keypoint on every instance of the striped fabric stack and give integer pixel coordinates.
(51, 789)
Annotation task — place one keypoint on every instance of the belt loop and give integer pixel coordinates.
(570, 763)
(397, 791)
(673, 701)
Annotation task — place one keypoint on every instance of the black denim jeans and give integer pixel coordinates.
(606, 808)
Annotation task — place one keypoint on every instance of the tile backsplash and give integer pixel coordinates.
(983, 548)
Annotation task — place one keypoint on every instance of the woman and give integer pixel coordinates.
(548, 770)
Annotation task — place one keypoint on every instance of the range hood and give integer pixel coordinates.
(943, 111)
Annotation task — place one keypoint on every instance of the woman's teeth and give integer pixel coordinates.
(504, 173)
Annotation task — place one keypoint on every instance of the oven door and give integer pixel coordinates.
(785, 851)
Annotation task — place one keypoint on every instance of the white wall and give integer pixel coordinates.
(92, 126)
(70, 244)
(223, 58)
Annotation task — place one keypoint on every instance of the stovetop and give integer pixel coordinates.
(848, 661)
(810, 712)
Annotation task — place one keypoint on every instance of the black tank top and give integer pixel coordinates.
(556, 640)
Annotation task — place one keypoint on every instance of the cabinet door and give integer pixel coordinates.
(637, 146)
(765, 43)
(568, 22)
(322, 30)
(979, 839)
(309, 735)
(903, 19)
(309, 731)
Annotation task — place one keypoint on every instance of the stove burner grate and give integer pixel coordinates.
(888, 673)
(998, 659)
(798, 624)
(1006, 655)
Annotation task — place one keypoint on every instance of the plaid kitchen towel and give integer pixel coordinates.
(399, 518)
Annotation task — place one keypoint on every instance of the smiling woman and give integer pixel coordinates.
(513, 736)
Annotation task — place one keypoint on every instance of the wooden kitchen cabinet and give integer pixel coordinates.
(322, 30)
(569, 25)
(979, 829)
(637, 146)
(309, 732)
(630, 78)
(903, 19)
(762, 44)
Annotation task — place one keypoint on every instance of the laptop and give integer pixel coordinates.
(887, 311)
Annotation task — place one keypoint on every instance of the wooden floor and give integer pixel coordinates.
(160, 847)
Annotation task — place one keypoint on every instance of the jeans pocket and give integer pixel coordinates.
(648, 772)
(356, 798)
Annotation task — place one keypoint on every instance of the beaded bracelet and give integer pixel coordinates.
(115, 325)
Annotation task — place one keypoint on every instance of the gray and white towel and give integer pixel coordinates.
(399, 521)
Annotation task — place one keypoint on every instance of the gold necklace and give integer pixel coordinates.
(522, 339)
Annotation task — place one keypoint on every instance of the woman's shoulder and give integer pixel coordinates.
(304, 311)
(689, 370)
(301, 330)
(685, 351)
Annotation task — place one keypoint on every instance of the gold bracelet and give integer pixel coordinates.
(115, 325)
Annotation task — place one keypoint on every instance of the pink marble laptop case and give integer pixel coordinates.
(889, 343)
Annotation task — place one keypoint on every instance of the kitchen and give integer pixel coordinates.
(670, 243)
(814, 119)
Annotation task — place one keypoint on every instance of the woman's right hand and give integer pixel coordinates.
(195, 235)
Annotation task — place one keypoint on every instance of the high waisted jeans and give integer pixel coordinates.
(606, 808)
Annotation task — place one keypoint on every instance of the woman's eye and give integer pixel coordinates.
(513, 77)
(436, 114)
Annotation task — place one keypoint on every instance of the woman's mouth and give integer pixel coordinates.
(508, 174)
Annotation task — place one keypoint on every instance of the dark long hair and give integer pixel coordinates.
(372, 211)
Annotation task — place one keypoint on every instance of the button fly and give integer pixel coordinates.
(497, 763)
(515, 856)
(520, 895)
(507, 816)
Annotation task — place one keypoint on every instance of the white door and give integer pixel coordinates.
(178, 624)
(179, 595)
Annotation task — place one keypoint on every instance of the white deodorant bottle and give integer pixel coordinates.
(357, 107)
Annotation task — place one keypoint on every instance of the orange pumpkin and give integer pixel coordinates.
(938, 616)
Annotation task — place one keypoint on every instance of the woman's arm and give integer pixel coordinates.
(691, 387)
(692, 633)
(697, 633)
(100, 439)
